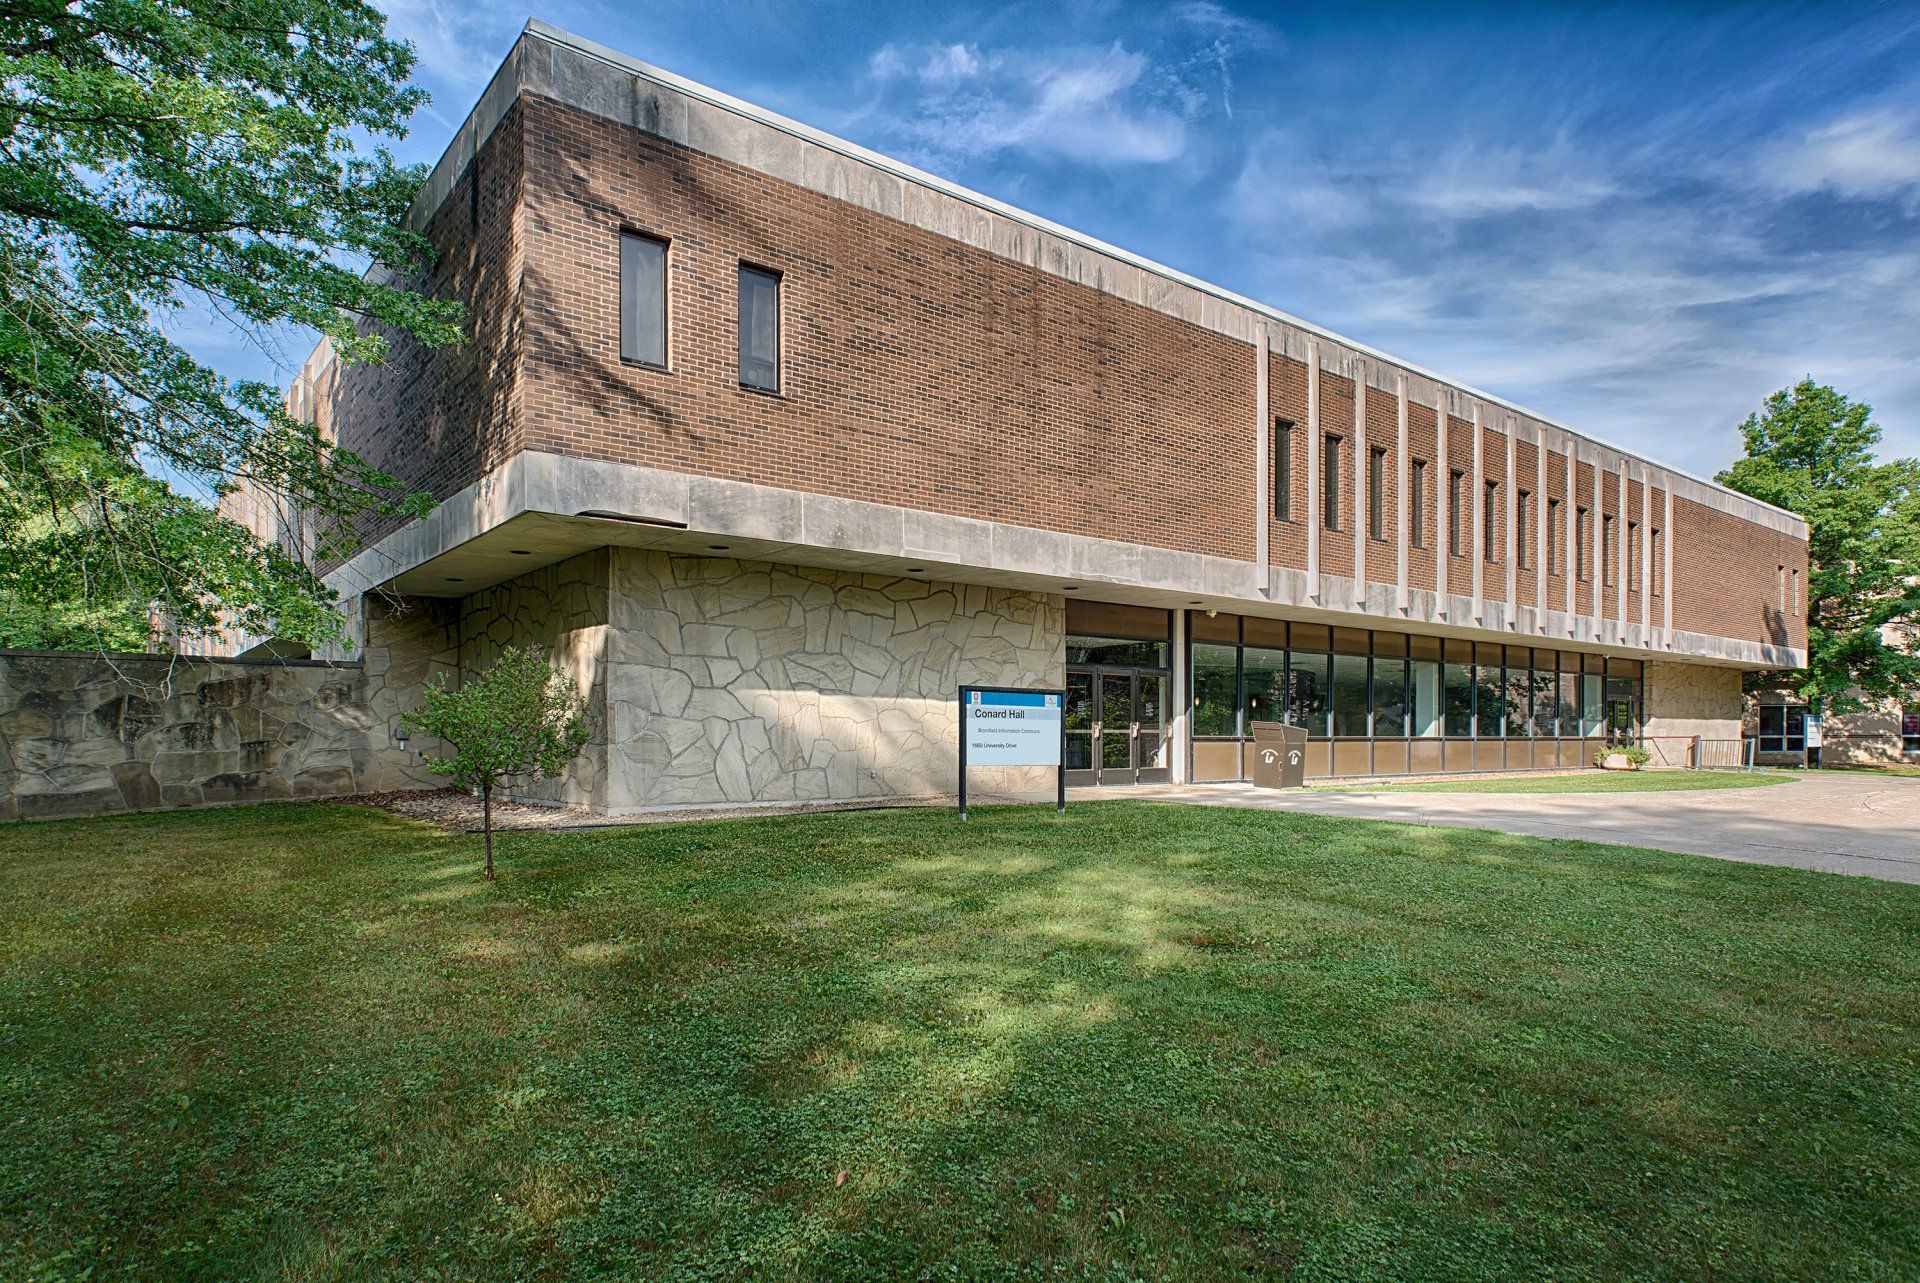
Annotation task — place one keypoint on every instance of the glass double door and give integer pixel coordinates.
(1117, 726)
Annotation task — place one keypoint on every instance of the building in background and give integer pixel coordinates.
(774, 442)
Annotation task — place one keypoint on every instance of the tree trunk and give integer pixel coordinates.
(486, 811)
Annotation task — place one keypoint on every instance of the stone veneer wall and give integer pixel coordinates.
(736, 681)
(1688, 700)
(561, 610)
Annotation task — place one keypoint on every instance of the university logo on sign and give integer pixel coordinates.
(1011, 728)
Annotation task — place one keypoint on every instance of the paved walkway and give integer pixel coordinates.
(1857, 824)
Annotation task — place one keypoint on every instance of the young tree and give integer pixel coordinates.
(520, 717)
(161, 157)
(1810, 450)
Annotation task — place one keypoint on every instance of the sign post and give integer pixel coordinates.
(1003, 726)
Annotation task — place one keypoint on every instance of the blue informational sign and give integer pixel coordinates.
(1001, 727)
(1011, 728)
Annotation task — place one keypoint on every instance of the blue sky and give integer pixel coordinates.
(1638, 219)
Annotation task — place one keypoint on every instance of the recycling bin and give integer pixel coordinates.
(1279, 755)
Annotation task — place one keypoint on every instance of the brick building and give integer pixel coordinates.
(775, 441)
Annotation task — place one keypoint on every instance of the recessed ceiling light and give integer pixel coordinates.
(1196, 603)
(522, 552)
(454, 580)
(916, 570)
(1071, 588)
(717, 547)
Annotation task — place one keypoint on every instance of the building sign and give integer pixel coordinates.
(1813, 730)
(1011, 728)
(1004, 727)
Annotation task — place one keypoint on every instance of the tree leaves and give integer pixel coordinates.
(1810, 450)
(189, 154)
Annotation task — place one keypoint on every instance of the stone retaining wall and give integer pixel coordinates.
(90, 734)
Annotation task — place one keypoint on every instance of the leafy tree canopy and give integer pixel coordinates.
(207, 157)
(1810, 450)
(519, 717)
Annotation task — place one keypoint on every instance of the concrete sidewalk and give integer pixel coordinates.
(1864, 825)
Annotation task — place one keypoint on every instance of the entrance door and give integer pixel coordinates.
(1116, 726)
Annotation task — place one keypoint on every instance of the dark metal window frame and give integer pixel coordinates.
(746, 270)
(1330, 482)
(665, 246)
(1377, 493)
(1417, 503)
(1283, 434)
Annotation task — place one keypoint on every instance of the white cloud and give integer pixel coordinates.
(1869, 155)
(956, 102)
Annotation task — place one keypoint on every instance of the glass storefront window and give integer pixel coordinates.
(1216, 703)
(1490, 702)
(1424, 690)
(1350, 695)
(1389, 697)
(1589, 705)
(1115, 650)
(1546, 714)
(1519, 687)
(1263, 675)
(1460, 700)
(1308, 686)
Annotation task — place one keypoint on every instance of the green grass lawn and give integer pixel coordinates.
(1587, 782)
(1898, 770)
(1145, 1042)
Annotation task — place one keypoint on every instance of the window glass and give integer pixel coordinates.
(1545, 704)
(1389, 698)
(1490, 701)
(1456, 513)
(1590, 705)
(1116, 650)
(1417, 504)
(1569, 704)
(1490, 521)
(1283, 471)
(1263, 673)
(1459, 700)
(1215, 693)
(1783, 728)
(1424, 696)
(1330, 483)
(1910, 731)
(643, 300)
(1349, 695)
(1307, 692)
(1519, 702)
(759, 329)
(1523, 526)
(1376, 494)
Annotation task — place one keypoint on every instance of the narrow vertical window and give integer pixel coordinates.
(1607, 574)
(1417, 503)
(1456, 513)
(1282, 471)
(1583, 541)
(759, 329)
(1523, 518)
(1783, 590)
(1553, 536)
(1490, 522)
(1377, 493)
(1796, 597)
(1633, 556)
(1659, 584)
(1330, 484)
(643, 300)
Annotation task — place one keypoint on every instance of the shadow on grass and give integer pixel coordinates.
(1145, 1040)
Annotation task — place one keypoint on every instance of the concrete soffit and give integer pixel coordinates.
(555, 64)
(537, 509)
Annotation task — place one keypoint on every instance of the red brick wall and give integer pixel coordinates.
(916, 371)
(921, 372)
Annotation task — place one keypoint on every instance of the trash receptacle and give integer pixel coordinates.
(1279, 755)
